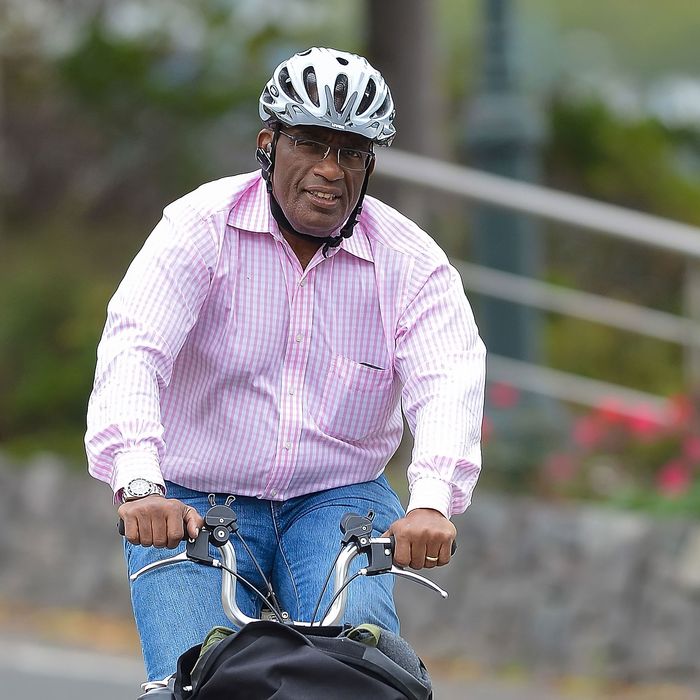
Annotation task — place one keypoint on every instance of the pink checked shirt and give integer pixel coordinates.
(224, 366)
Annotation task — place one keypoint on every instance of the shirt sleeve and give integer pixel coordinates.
(441, 360)
(148, 319)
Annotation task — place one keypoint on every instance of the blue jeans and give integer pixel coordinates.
(295, 543)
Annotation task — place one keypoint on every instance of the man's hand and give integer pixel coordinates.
(158, 521)
(423, 539)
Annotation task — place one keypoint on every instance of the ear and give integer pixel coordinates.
(264, 140)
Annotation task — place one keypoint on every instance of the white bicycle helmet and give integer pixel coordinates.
(332, 89)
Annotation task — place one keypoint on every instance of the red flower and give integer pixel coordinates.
(611, 410)
(588, 431)
(674, 478)
(645, 423)
(503, 395)
(681, 410)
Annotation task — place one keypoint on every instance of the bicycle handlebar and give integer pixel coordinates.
(220, 523)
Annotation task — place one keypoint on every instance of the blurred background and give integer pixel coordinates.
(552, 149)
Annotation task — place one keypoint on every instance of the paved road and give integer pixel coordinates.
(34, 672)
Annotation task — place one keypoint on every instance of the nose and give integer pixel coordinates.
(329, 167)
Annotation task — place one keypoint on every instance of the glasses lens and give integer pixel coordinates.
(353, 159)
(312, 149)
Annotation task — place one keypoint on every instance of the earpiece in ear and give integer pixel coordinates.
(264, 160)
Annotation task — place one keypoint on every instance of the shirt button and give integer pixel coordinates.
(287, 445)
(291, 392)
(273, 493)
(298, 338)
(302, 283)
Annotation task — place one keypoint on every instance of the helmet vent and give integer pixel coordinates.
(286, 84)
(311, 85)
(383, 109)
(342, 61)
(340, 91)
(370, 92)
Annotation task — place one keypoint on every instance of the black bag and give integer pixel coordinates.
(269, 660)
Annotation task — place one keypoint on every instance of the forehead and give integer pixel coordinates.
(330, 136)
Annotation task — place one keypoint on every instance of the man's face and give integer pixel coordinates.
(316, 196)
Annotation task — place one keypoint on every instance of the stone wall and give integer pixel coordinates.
(571, 591)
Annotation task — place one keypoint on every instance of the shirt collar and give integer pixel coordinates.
(358, 244)
(252, 213)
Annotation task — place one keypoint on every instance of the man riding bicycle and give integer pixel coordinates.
(261, 345)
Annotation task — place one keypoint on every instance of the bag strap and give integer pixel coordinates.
(372, 659)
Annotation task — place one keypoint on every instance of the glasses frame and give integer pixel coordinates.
(368, 160)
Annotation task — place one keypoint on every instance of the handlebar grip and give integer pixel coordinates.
(392, 545)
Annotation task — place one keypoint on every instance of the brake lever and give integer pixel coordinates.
(417, 578)
(182, 556)
(196, 550)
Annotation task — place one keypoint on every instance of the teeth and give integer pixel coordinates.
(324, 195)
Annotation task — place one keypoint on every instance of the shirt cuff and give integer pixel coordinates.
(132, 464)
(431, 493)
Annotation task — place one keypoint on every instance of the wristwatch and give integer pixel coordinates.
(140, 488)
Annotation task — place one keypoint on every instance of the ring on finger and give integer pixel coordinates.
(427, 558)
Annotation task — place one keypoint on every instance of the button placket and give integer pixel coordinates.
(293, 372)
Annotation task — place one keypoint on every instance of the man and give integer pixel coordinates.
(261, 345)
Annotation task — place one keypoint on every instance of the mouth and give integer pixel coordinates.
(324, 199)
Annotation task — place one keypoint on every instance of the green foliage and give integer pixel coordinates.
(118, 79)
(636, 163)
(633, 163)
(612, 355)
(50, 326)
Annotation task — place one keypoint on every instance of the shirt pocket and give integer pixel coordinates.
(356, 400)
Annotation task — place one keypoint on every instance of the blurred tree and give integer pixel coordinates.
(409, 60)
(634, 162)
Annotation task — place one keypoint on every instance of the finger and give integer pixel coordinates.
(418, 553)
(432, 560)
(145, 530)
(159, 530)
(402, 549)
(131, 529)
(445, 554)
(176, 528)
(193, 521)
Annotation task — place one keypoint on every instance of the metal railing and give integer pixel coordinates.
(596, 217)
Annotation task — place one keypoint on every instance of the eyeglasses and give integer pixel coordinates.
(348, 158)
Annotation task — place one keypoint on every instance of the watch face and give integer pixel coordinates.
(139, 487)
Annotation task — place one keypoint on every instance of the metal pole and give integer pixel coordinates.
(692, 312)
(503, 134)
